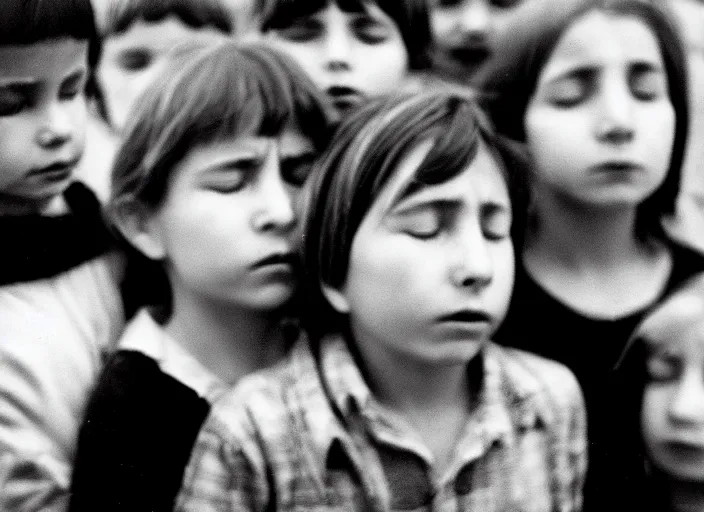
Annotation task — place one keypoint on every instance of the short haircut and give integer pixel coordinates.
(213, 92)
(509, 81)
(411, 17)
(193, 13)
(364, 155)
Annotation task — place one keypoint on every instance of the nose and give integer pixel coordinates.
(687, 405)
(275, 212)
(338, 48)
(475, 18)
(615, 124)
(473, 266)
(56, 127)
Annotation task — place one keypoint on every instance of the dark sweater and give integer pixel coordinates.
(38, 246)
(538, 322)
(136, 439)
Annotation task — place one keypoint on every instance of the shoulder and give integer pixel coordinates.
(543, 380)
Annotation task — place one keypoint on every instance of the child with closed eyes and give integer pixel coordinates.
(353, 50)
(596, 94)
(203, 187)
(399, 400)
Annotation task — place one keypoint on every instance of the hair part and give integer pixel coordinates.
(510, 79)
(410, 16)
(363, 157)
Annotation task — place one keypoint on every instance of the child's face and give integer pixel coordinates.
(470, 30)
(600, 125)
(225, 227)
(349, 55)
(673, 403)
(430, 275)
(42, 117)
(131, 60)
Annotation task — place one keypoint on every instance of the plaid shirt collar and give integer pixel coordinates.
(509, 398)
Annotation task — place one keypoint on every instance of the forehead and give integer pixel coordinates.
(679, 322)
(43, 61)
(163, 34)
(601, 39)
(481, 180)
(289, 141)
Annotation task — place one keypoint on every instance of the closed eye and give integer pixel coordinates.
(135, 59)
(647, 82)
(295, 170)
(663, 366)
(302, 30)
(370, 30)
(14, 99)
(573, 88)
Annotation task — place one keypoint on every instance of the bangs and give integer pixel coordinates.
(193, 13)
(32, 21)
(218, 93)
(260, 95)
(279, 14)
(456, 143)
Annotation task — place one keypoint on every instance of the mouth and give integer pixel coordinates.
(686, 448)
(473, 54)
(466, 316)
(281, 259)
(55, 172)
(617, 167)
(344, 97)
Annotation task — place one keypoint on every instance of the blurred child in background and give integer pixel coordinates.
(352, 49)
(60, 308)
(203, 185)
(597, 93)
(468, 32)
(401, 401)
(668, 352)
(136, 38)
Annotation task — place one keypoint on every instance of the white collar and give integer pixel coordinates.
(145, 335)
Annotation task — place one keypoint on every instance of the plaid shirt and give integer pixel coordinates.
(309, 436)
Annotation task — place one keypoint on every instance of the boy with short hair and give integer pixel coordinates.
(401, 401)
(60, 306)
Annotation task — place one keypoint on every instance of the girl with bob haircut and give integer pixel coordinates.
(203, 187)
(596, 93)
(60, 306)
(352, 49)
(401, 402)
(666, 400)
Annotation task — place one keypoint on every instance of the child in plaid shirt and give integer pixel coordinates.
(400, 401)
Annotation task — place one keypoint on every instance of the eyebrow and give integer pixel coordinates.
(246, 162)
(587, 70)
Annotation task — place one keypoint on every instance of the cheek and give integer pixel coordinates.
(386, 68)
(654, 414)
(443, 23)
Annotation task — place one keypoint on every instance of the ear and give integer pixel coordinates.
(336, 298)
(141, 227)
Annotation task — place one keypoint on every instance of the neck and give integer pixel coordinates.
(229, 341)
(415, 388)
(573, 235)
